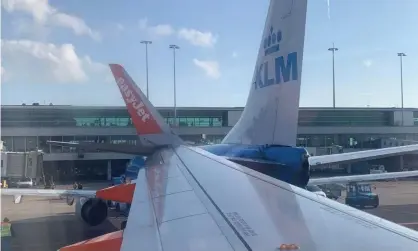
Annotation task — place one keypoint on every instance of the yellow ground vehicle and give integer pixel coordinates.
(4, 183)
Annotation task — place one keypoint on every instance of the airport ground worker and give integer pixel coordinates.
(6, 235)
(77, 185)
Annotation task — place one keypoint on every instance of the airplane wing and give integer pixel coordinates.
(19, 193)
(364, 177)
(48, 192)
(189, 199)
(117, 148)
(362, 155)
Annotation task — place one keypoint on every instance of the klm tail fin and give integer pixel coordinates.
(146, 119)
(271, 113)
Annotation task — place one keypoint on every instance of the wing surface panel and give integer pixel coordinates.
(267, 213)
(167, 213)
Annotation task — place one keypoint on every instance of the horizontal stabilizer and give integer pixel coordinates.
(121, 193)
(109, 242)
(48, 192)
(361, 155)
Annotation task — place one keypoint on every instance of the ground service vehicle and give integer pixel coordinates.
(361, 195)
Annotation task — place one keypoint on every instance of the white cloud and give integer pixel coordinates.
(162, 30)
(45, 14)
(143, 23)
(158, 30)
(48, 63)
(120, 27)
(193, 36)
(77, 24)
(198, 38)
(3, 74)
(211, 68)
(234, 54)
(367, 62)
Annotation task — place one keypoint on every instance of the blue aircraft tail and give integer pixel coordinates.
(134, 166)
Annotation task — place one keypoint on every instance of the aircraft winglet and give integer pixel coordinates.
(145, 117)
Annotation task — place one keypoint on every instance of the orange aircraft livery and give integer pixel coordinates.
(141, 117)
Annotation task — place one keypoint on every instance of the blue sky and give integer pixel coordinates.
(218, 39)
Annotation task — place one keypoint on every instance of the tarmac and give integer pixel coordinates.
(46, 224)
(398, 202)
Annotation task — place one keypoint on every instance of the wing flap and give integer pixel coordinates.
(361, 155)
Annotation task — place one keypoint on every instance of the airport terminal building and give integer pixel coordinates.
(28, 127)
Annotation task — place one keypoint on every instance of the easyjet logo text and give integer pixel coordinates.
(130, 98)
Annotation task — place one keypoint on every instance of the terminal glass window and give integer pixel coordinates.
(31, 143)
(19, 144)
(195, 121)
(103, 121)
(124, 139)
(416, 118)
(315, 140)
(43, 146)
(344, 118)
(104, 139)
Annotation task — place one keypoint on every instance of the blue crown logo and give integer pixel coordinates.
(271, 42)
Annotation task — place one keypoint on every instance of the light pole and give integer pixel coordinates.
(175, 47)
(401, 54)
(146, 42)
(333, 49)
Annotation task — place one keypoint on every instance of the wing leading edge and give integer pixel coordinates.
(362, 155)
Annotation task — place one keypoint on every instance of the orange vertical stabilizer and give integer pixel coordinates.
(107, 242)
(121, 193)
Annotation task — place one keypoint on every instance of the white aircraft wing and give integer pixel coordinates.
(362, 155)
(189, 199)
(48, 192)
(117, 148)
(70, 193)
(365, 177)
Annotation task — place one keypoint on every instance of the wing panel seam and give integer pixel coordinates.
(216, 207)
